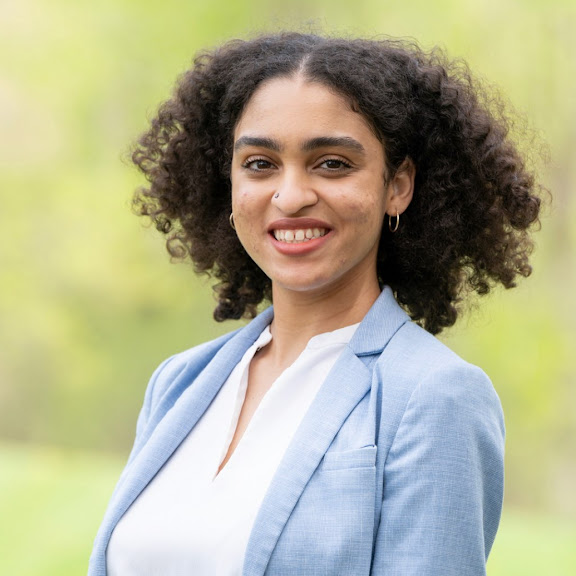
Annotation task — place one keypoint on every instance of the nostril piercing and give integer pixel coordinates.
(277, 195)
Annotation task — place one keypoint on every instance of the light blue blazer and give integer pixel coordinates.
(396, 469)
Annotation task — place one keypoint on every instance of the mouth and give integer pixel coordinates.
(298, 235)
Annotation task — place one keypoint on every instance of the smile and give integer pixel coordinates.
(299, 235)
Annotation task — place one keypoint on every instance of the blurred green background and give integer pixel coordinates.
(89, 303)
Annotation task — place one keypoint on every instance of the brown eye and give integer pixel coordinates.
(334, 164)
(257, 165)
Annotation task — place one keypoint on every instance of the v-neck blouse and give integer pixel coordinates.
(191, 519)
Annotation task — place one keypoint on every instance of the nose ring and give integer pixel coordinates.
(277, 195)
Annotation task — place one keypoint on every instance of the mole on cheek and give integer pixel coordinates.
(364, 216)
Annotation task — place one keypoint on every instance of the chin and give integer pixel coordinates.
(303, 285)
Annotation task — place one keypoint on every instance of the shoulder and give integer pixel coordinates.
(422, 373)
(193, 359)
(442, 433)
(420, 359)
(179, 371)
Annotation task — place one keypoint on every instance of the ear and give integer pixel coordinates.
(401, 188)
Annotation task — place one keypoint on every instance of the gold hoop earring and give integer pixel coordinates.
(395, 227)
(231, 220)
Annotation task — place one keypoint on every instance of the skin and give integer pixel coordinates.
(304, 158)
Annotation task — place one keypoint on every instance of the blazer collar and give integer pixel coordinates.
(383, 319)
(347, 383)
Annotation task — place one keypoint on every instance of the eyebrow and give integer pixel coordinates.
(258, 142)
(333, 142)
(307, 146)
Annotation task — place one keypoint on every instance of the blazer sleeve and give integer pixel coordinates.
(443, 479)
(150, 397)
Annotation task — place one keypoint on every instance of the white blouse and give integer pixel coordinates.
(191, 520)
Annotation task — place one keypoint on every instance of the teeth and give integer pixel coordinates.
(301, 235)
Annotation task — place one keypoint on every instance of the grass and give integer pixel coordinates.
(51, 503)
(531, 544)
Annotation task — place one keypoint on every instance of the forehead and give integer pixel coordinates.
(288, 106)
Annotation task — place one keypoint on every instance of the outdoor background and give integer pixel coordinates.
(89, 303)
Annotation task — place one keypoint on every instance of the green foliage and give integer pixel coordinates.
(89, 304)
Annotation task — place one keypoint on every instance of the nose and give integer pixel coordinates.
(294, 192)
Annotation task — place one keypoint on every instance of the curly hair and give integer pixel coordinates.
(467, 227)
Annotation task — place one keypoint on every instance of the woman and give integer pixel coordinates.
(363, 187)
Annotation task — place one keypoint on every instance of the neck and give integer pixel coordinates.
(298, 316)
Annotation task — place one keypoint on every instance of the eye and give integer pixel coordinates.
(334, 165)
(257, 164)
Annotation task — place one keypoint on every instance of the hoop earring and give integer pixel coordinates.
(395, 227)
(231, 220)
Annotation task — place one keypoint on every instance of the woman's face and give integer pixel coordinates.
(308, 187)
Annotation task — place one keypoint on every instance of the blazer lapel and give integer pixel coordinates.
(178, 421)
(348, 382)
(330, 408)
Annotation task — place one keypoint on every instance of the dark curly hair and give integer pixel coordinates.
(466, 228)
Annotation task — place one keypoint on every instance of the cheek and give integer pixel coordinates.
(242, 189)
(245, 207)
(247, 210)
(240, 195)
(366, 207)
